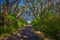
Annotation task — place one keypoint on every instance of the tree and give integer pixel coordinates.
(7, 8)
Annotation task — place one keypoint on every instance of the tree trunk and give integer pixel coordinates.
(5, 6)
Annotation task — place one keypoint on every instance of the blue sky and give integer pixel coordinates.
(1, 1)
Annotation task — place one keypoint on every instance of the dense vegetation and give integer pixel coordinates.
(48, 23)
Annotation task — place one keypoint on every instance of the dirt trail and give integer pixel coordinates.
(27, 33)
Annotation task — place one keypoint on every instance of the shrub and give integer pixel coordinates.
(48, 23)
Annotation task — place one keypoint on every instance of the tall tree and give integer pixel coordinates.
(6, 6)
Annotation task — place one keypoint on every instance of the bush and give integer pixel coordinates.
(48, 23)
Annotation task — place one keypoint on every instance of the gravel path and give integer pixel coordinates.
(24, 34)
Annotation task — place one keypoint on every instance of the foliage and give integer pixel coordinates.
(48, 23)
(1, 23)
(1, 29)
(21, 22)
(12, 24)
